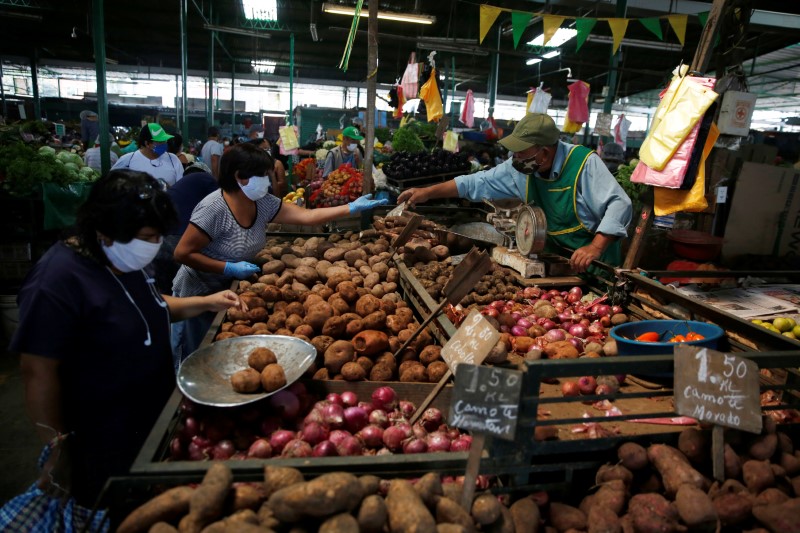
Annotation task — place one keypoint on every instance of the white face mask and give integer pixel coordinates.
(257, 187)
(352, 147)
(133, 255)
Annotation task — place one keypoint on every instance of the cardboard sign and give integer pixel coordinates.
(405, 233)
(468, 272)
(486, 400)
(472, 342)
(717, 388)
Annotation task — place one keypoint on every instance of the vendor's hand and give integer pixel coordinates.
(223, 300)
(55, 477)
(365, 203)
(583, 257)
(413, 197)
(240, 270)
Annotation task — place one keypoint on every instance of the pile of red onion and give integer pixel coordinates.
(339, 425)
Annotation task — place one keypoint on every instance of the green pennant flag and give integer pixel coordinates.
(584, 27)
(703, 20)
(654, 25)
(519, 21)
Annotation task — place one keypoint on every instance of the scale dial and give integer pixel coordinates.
(531, 230)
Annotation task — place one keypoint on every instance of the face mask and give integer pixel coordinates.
(526, 166)
(226, 143)
(257, 187)
(160, 149)
(133, 255)
(352, 147)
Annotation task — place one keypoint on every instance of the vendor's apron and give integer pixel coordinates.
(558, 200)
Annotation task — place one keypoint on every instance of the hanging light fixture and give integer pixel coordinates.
(414, 18)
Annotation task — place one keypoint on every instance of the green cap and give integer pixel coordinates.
(535, 129)
(352, 132)
(157, 133)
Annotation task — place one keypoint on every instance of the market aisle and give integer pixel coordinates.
(19, 445)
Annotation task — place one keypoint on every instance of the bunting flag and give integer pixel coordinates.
(519, 21)
(551, 24)
(584, 27)
(678, 23)
(654, 25)
(618, 29)
(488, 15)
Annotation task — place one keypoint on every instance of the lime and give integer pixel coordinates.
(796, 331)
(791, 321)
(789, 334)
(782, 324)
(757, 321)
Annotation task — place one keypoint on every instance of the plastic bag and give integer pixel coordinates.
(288, 140)
(671, 176)
(540, 101)
(451, 141)
(410, 81)
(429, 92)
(61, 203)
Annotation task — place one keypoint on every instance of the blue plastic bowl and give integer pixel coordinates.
(625, 333)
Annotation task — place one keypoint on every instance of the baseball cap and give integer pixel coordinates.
(86, 113)
(535, 129)
(157, 133)
(352, 132)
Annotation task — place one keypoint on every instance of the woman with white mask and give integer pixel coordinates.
(228, 228)
(94, 335)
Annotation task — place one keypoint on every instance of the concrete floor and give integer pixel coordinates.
(19, 444)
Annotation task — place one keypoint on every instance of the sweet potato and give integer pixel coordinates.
(790, 463)
(558, 350)
(783, 518)
(733, 464)
(652, 513)
(407, 513)
(504, 524)
(166, 507)
(246, 381)
(695, 507)
(785, 444)
(341, 523)
(757, 475)
(763, 447)
(327, 495)
(279, 477)
(450, 528)
(208, 500)
(674, 468)
(498, 354)
(733, 508)
(611, 495)
(449, 511)
(337, 355)
(603, 520)
(694, 444)
(770, 496)
(526, 516)
(370, 342)
(564, 517)
(162, 527)
(632, 456)
(485, 509)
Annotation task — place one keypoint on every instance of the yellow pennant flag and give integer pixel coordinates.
(551, 24)
(618, 29)
(488, 15)
(678, 23)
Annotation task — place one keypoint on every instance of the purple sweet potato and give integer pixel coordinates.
(695, 507)
(603, 520)
(733, 508)
(783, 518)
(790, 464)
(632, 456)
(674, 468)
(526, 516)
(652, 513)
(564, 517)
(763, 447)
(612, 472)
(757, 475)
(611, 495)
(733, 465)
(770, 496)
(693, 443)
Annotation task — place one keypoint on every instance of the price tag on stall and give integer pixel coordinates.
(472, 342)
(466, 274)
(486, 400)
(405, 233)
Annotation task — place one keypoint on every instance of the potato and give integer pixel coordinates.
(285, 279)
(271, 293)
(225, 335)
(257, 314)
(277, 320)
(407, 513)
(337, 354)
(451, 512)
(253, 301)
(260, 328)
(354, 255)
(367, 304)
(246, 381)
(376, 320)
(388, 305)
(321, 343)
(163, 527)
(293, 321)
(436, 371)
(429, 354)
(381, 372)
(341, 523)
(273, 377)
(372, 515)
(429, 488)
(321, 374)
(326, 495)
(291, 260)
(295, 308)
(371, 280)
(334, 326)
(339, 305)
(353, 371)
(242, 330)
(347, 291)
(354, 327)
(166, 507)
(334, 254)
(289, 294)
(322, 268)
(273, 267)
(396, 324)
(485, 509)
(370, 342)
(318, 314)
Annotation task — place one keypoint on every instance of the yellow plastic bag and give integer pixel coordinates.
(677, 76)
(451, 141)
(571, 127)
(689, 103)
(668, 201)
(288, 138)
(429, 92)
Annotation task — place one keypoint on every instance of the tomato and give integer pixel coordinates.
(648, 336)
(678, 338)
(692, 336)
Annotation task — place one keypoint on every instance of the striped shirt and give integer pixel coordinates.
(229, 241)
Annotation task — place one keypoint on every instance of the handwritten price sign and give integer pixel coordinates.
(717, 388)
(486, 400)
(472, 342)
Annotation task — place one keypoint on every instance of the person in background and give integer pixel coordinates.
(90, 127)
(175, 146)
(256, 132)
(92, 156)
(212, 150)
(152, 156)
(279, 185)
(347, 152)
(587, 211)
(94, 335)
(613, 156)
(227, 230)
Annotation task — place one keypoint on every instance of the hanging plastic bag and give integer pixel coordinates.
(410, 81)
(468, 110)
(429, 92)
(288, 140)
(451, 141)
(691, 99)
(668, 201)
(671, 176)
(540, 101)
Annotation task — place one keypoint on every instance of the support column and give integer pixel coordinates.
(494, 72)
(37, 105)
(233, 99)
(368, 185)
(452, 89)
(3, 91)
(211, 92)
(184, 64)
(291, 78)
(99, 38)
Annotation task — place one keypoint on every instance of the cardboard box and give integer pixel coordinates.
(765, 212)
(759, 153)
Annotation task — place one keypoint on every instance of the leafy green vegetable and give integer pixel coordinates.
(23, 168)
(405, 140)
(635, 191)
(383, 134)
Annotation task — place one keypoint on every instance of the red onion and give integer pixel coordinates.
(531, 292)
(378, 417)
(621, 378)
(574, 295)
(223, 450)
(585, 322)
(419, 430)
(239, 456)
(243, 437)
(217, 428)
(355, 418)
(595, 328)
(490, 311)
(560, 306)
(298, 389)
(498, 304)
(333, 415)
(384, 451)
(565, 316)
(451, 432)
(297, 448)
(587, 384)
(524, 322)
(546, 296)
(338, 435)
(505, 329)
(260, 449)
(577, 343)
(407, 408)
(285, 404)
(461, 444)
(616, 309)
(189, 408)
(270, 425)
(175, 449)
(190, 427)
(516, 315)
(601, 309)
(438, 442)
(336, 398)
(554, 292)
(367, 406)
(315, 415)
(324, 449)
(196, 452)
(349, 446)
(279, 439)
(349, 398)
(393, 437)
(519, 331)
(314, 433)
(203, 442)
(570, 388)
(415, 446)
(384, 398)
(548, 324)
(604, 388)
(555, 335)
(432, 418)
(578, 330)
(371, 436)
(249, 415)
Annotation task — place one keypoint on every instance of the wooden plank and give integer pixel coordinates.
(637, 242)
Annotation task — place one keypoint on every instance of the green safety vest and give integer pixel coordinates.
(558, 199)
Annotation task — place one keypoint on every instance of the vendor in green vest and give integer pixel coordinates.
(587, 211)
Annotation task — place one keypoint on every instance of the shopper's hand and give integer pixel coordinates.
(583, 257)
(240, 270)
(413, 197)
(365, 203)
(223, 300)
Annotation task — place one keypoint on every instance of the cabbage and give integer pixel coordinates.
(71, 166)
(88, 174)
(329, 144)
(47, 151)
(69, 157)
(321, 154)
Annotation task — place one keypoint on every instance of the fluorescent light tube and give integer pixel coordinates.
(336, 9)
(637, 43)
(561, 36)
(533, 61)
(550, 55)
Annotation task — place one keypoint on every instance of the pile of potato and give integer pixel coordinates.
(340, 295)
(498, 284)
(423, 246)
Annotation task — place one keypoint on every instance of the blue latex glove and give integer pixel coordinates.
(240, 270)
(365, 203)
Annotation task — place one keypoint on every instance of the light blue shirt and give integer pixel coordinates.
(602, 204)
